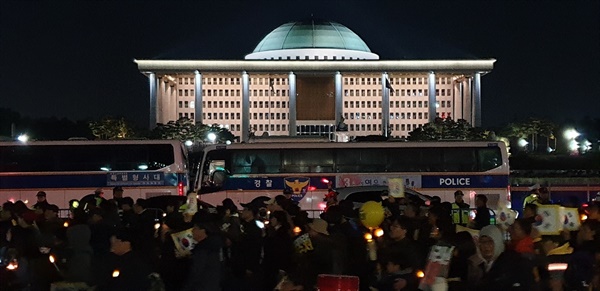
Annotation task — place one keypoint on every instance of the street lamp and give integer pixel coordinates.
(23, 138)
(571, 134)
(212, 137)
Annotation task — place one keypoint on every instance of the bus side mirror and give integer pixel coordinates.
(218, 178)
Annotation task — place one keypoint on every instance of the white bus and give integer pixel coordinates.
(244, 171)
(68, 170)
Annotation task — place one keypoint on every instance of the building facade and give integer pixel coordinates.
(315, 77)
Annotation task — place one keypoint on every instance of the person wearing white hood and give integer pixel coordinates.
(494, 268)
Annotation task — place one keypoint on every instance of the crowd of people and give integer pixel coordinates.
(272, 244)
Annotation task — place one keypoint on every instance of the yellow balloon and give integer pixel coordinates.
(372, 214)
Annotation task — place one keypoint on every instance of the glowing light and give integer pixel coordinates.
(325, 181)
(297, 230)
(143, 167)
(164, 214)
(584, 217)
(573, 145)
(189, 143)
(211, 136)
(228, 142)
(557, 266)
(312, 188)
(66, 224)
(368, 236)
(260, 224)
(51, 258)
(116, 273)
(26, 201)
(420, 274)
(23, 138)
(13, 265)
(571, 133)
(157, 226)
(106, 169)
(322, 205)
(379, 232)
(523, 143)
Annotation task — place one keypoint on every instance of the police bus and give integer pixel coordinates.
(244, 171)
(68, 170)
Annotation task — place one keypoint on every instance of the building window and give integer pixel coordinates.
(180, 104)
(186, 104)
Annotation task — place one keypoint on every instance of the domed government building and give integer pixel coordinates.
(315, 77)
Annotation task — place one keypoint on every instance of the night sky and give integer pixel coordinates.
(74, 59)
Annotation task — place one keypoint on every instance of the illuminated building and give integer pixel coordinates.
(307, 77)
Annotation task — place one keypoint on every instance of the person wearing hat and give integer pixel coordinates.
(321, 259)
(460, 209)
(41, 200)
(533, 196)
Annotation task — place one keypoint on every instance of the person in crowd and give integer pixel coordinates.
(397, 240)
(128, 216)
(41, 200)
(246, 253)
(6, 221)
(395, 275)
(593, 211)
(144, 228)
(50, 225)
(110, 210)
(79, 251)
(172, 267)
(125, 267)
(530, 211)
(319, 260)
(205, 271)
(544, 197)
(482, 218)
(278, 248)
(580, 271)
(355, 263)
(25, 237)
(464, 248)
(117, 193)
(520, 237)
(440, 223)
(460, 209)
(100, 233)
(494, 268)
(534, 194)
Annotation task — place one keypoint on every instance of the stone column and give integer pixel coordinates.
(245, 107)
(292, 105)
(385, 105)
(153, 99)
(339, 109)
(476, 99)
(198, 97)
(432, 99)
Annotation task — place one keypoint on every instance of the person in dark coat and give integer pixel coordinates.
(278, 248)
(206, 271)
(482, 218)
(246, 253)
(125, 268)
(580, 271)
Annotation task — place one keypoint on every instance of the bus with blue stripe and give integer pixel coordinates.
(244, 171)
(68, 170)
